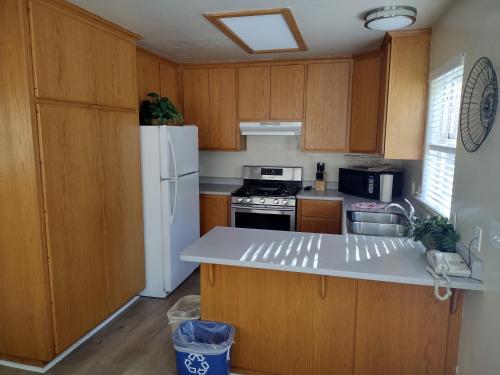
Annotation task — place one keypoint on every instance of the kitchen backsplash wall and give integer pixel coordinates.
(271, 150)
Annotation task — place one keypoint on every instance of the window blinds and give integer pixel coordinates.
(445, 92)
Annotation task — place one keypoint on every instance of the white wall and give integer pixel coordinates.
(270, 150)
(474, 27)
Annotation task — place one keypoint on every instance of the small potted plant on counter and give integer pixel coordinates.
(159, 111)
(435, 233)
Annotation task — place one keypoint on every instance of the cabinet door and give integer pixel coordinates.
(287, 92)
(63, 57)
(400, 329)
(197, 103)
(148, 74)
(385, 59)
(319, 216)
(365, 102)
(122, 206)
(327, 106)
(169, 86)
(254, 93)
(71, 157)
(214, 212)
(225, 133)
(116, 72)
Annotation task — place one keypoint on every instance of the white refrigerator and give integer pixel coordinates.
(170, 184)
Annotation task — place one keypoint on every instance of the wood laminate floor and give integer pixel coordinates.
(135, 343)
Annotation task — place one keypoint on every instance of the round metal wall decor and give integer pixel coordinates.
(479, 104)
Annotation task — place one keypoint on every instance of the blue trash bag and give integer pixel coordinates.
(202, 347)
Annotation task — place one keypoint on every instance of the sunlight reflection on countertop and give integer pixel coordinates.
(355, 256)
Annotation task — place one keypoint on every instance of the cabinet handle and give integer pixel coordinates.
(322, 288)
(211, 274)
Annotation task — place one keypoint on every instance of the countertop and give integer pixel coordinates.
(352, 256)
(217, 189)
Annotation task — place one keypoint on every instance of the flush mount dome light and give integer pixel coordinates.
(390, 18)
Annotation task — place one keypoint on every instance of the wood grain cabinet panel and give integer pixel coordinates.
(63, 57)
(116, 72)
(327, 106)
(365, 102)
(284, 324)
(254, 92)
(214, 211)
(319, 216)
(197, 103)
(225, 132)
(122, 206)
(148, 74)
(400, 329)
(169, 83)
(287, 92)
(71, 157)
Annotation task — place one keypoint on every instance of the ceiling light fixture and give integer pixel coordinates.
(390, 17)
(261, 31)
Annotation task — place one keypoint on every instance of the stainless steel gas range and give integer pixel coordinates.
(267, 198)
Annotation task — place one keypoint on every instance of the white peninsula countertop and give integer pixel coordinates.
(353, 256)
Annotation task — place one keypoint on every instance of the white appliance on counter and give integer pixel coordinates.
(170, 187)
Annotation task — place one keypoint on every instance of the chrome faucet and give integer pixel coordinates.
(408, 214)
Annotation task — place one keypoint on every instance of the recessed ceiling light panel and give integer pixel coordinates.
(390, 18)
(261, 31)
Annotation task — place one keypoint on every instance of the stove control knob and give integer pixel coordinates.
(240, 200)
(249, 200)
(276, 201)
(285, 202)
(262, 200)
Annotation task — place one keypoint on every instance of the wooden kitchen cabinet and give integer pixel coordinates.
(148, 74)
(196, 92)
(71, 162)
(116, 71)
(169, 83)
(319, 216)
(403, 95)
(124, 240)
(327, 106)
(215, 211)
(63, 58)
(364, 129)
(287, 92)
(295, 324)
(254, 93)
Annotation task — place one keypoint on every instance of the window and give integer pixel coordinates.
(445, 91)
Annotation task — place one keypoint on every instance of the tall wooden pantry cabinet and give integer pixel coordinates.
(71, 231)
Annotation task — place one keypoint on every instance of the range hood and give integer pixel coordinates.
(271, 128)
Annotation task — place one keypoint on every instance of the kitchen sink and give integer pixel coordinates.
(376, 223)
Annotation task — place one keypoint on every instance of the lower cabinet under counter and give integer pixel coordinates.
(215, 211)
(291, 323)
(319, 216)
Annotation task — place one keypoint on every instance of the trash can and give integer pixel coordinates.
(187, 308)
(202, 347)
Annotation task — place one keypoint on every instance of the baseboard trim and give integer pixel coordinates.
(60, 357)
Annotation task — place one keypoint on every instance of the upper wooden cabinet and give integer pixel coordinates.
(210, 97)
(271, 92)
(365, 104)
(254, 92)
(196, 92)
(116, 75)
(403, 98)
(148, 74)
(287, 92)
(327, 106)
(169, 85)
(62, 54)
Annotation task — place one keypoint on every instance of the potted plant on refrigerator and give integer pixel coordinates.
(435, 233)
(157, 110)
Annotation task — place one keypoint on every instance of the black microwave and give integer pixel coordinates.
(365, 183)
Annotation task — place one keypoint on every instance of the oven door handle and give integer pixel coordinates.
(264, 211)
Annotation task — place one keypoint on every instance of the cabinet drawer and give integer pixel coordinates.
(320, 208)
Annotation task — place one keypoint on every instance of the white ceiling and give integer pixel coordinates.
(177, 29)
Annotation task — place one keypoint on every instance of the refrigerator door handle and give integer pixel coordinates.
(172, 215)
(174, 161)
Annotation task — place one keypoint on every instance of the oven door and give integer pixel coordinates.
(273, 218)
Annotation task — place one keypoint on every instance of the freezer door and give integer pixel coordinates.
(179, 149)
(181, 220)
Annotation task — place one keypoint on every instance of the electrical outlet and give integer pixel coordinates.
(495, 234)
(476, 244)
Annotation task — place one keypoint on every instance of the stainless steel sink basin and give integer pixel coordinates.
(376, 223)
(376, 217)
(377, 229)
